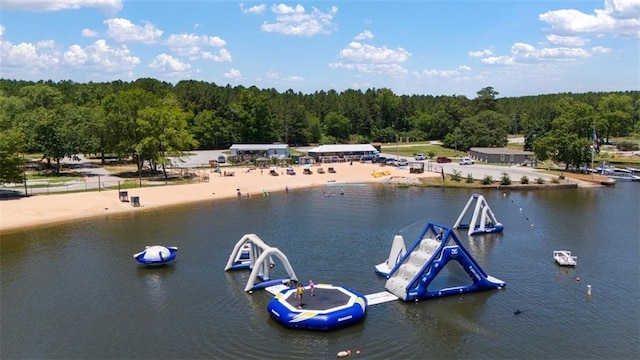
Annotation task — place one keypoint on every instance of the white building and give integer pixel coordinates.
(279, 150)
(342, 152)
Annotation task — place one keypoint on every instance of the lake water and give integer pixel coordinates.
(74, 291)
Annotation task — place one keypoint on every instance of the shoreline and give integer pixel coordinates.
(40, 210)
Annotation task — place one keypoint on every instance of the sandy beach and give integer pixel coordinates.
(49, 209)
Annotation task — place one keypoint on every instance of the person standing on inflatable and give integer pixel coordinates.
(311, 286)
(299, 292)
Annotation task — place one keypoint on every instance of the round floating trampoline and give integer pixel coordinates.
(156, 255)
(332, 307)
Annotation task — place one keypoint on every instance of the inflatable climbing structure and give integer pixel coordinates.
(482, 221)
(412, 275)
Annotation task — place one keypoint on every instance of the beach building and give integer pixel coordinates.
(500, 155)
(265, 151)
(342, 152)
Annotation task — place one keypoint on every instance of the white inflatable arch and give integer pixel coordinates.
(261, 259)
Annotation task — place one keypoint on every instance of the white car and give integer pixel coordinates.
(465, 161)
(420, 157)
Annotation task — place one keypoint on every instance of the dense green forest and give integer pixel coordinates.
(147, 119)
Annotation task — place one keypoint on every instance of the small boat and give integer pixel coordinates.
(564, 258)
(156, 255)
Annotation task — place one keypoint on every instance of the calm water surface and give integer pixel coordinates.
(75, 292)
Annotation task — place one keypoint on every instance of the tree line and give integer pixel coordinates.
(147, 119)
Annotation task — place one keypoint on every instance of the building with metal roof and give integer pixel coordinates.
(343, 152)
(500, 155)
(278, 150)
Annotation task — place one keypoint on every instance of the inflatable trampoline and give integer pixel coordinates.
(156, 255)
(331, 307)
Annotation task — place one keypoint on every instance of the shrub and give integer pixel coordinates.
(487, 180)
(539, 181)
(555, 180)
(431, 154)
(524, 179)
(456, 176)
(469, 179)
(505, 179)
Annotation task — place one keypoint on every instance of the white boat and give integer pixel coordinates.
(564, 258)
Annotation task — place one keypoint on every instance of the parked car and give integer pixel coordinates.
(221, 159)
(391, 162)
(420, 157)
(443, 159)
(402, 162)
(465, 161)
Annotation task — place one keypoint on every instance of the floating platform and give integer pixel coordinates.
(156, 255)
(564, 258)
(332, 307)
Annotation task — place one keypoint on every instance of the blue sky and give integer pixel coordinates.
(429, 47)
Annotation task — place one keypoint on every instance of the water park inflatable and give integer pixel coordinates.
(483, 221)
(331, 307)
(410, 273)
(156, 255)
(395, 255)
(435, 247)
(250, 252)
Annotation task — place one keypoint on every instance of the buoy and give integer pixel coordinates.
(357, 352)
(344, 353)
(577, 279)
(250, 291)
(588, 289)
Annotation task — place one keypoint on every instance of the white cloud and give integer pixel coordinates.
(498, 60)
(256, 9)
(75, 56)
(524, 51)
(369, 59)
(223, 55)
(191, 45)
(480, 53)
(123, 30)
(276, 79)
(294, 21)
(55, 5)
(88, 33)
(232, 74)
(1, 30)
(364, 35)
(101, 55)
(169, 64)
(27, 55)
(566, 40)
(620, 18)
(444, 74)
(600, 50)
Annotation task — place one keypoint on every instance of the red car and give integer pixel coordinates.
(442, 159)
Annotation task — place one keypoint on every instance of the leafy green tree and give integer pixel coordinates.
(486, 99)
(616, 112)
(337, 126)
(164, 131)
(122, 122)
(10, 161)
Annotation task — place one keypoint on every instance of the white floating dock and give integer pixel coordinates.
(372, 299)
(564, 258)
(380, 298)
